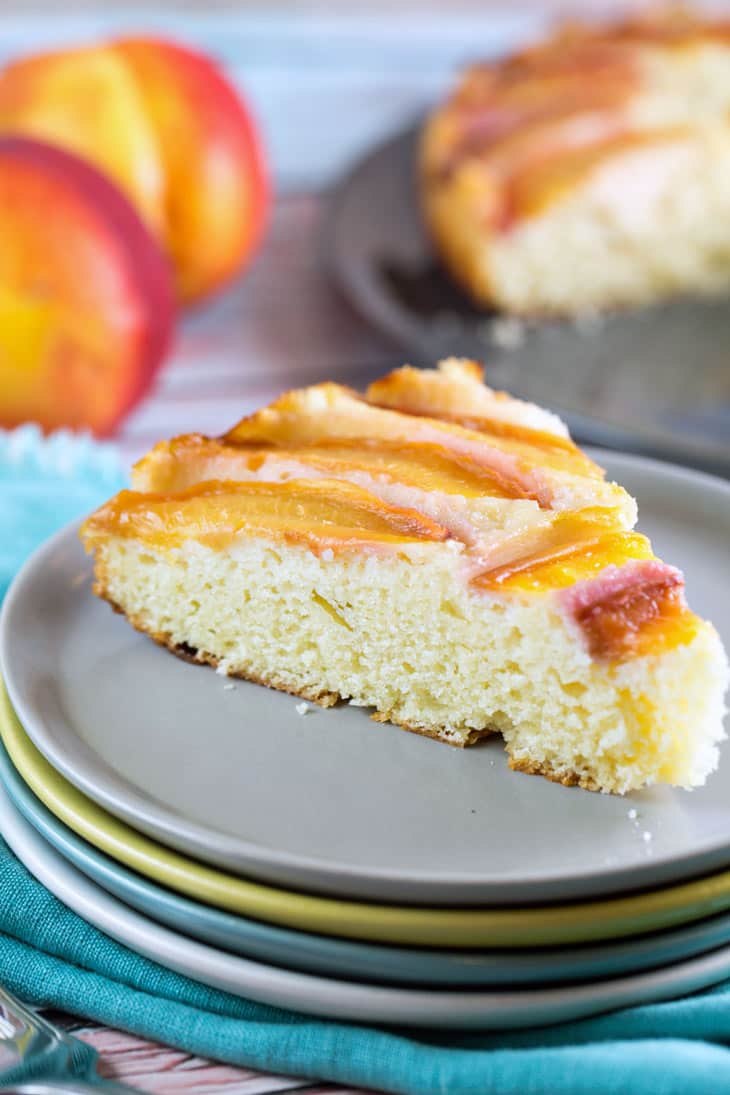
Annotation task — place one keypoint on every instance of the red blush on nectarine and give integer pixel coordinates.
(217, 189)
(86, 295)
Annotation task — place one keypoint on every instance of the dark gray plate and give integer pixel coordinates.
(332, 802)
(654, 381)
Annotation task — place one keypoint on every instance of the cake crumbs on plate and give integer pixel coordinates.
(632, 814)
(228, 687)
(646, 836)
(303, 708)
(507, 332)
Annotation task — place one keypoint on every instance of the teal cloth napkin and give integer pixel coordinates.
(51, 957)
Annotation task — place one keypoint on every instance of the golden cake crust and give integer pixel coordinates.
(566, 778)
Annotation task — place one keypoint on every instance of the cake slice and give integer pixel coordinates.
(436, 551)
(589, 171)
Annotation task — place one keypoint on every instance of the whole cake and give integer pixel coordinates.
(434, 550)
(590, 171)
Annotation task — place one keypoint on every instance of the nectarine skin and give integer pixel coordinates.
(87, 101)
(164, 123)
(86, 297)
(217, 190)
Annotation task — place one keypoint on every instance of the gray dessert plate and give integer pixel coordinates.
(339, 998)
(654, 380)
(330, 801)
(370, 962)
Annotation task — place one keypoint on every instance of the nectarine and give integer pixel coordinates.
(87, 101)
(216, 189)
(86, 299)
(165, 124)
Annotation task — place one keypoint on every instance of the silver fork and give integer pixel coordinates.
(26, 1038)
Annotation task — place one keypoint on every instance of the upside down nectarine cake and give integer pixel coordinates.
(588, 171)
(435, 550)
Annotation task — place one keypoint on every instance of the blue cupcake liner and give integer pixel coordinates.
(46, 482)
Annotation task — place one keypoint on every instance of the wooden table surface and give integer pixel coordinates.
(147, 1066)
(325, 82)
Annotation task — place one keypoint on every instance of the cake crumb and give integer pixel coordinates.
(646, 836)
(633, 814)
(508, 333)
(228, 687)
(303, 708)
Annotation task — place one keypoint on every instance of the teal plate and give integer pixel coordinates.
(340, 958)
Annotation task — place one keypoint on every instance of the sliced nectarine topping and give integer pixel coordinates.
(625, 601)
(674, 26)
(455, 393)
(502, 136)
(422, 465)
(507, 104)
(529, 192)
(178, 464)
(320, 514)
(524, 121)
(330, 412)
(644, 613)
(567, 551)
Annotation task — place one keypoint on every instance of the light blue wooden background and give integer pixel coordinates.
(323, 84)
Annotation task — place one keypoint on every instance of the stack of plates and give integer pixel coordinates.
(324, 862)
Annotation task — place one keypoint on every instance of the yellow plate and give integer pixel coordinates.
(514, 927)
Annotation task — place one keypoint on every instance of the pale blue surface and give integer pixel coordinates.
(50, 956)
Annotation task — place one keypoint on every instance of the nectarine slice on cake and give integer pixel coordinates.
(323, 515)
